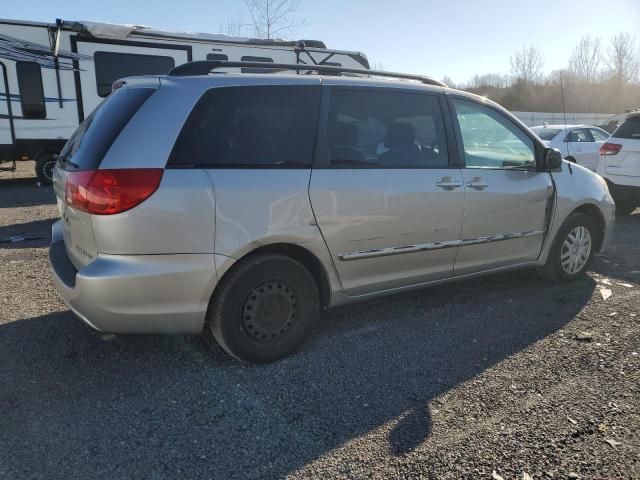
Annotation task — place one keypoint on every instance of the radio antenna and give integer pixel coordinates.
(564, 110)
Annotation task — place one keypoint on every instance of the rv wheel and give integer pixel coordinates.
(44, 167)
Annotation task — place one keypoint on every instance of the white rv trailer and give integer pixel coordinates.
(52, 75)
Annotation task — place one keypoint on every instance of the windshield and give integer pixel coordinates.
(546, 133)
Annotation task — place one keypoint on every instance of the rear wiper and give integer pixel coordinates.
(67, 161)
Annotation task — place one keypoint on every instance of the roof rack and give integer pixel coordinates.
(204, 67)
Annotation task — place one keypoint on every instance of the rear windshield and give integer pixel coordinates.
(630, 128)
(90, 142)
(546, 133)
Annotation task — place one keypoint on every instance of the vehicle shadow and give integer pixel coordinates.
(167, 407)
(36, 234)
(23, 192)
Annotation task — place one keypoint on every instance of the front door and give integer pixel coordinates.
(384, 196)
(506, 199)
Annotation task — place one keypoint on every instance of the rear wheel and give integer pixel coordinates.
(45, 163)
(264, 308)
(572, 250)
(571, 159)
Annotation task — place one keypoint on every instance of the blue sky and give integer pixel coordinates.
(458, 38)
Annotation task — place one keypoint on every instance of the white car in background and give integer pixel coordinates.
(577, 143)
(619, 163)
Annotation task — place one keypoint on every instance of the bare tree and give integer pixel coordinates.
(622, 58)
(492, 80)
(586, 58)
(272, 18)
(526, 65)
(448, 81)
(235, 27)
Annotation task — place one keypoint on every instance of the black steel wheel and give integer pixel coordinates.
(264, 308)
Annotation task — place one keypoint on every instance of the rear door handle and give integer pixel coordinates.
(477, 184)
(448, 184)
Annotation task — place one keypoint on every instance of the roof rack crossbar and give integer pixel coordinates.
(204, 67)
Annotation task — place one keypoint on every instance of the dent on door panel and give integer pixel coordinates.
(255, 208)
(504, 224)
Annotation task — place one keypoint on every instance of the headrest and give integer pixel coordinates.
(346, 134)
(400, 134)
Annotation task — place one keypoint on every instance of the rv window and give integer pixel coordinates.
(110, 66)
(31, 92)
(256, 59)
(250, 127)
(217, 56)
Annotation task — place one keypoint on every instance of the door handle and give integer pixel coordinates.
(448, 184)
(578, 149)
(477, 184)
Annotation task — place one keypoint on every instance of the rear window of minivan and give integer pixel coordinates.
(630, 128)
(92, 139)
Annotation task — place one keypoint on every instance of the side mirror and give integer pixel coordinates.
(552, 159)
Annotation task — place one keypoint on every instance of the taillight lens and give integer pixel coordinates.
(608, 148)
(106, 192)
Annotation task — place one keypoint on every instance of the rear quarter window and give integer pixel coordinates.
(630, 128)
(90, 142)
(250, 127)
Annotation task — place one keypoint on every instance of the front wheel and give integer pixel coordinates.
(572, 250)
(264, 308)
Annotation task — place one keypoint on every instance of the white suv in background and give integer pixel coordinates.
(620, 163)
(578, 143)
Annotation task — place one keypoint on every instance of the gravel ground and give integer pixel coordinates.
(506, 374)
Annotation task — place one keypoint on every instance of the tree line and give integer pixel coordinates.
(599, 78)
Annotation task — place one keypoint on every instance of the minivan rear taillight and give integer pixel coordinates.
(106, 192)
(609, 148)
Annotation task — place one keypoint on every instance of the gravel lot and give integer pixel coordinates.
(504, 374)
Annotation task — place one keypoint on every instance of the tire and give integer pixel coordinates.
(571, 159)
(554, 269)
(626, 208)
(44, 167)
(264, 308)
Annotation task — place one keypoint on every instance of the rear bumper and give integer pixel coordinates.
(135, 293)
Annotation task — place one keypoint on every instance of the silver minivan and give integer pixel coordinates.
(246, 203)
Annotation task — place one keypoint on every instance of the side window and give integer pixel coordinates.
(599, 135)
(31, 91)
(110, 66)
(579, 135)
(256, 59)
(217, 56)
(250, 127)
(490, 139)
(385, 129)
